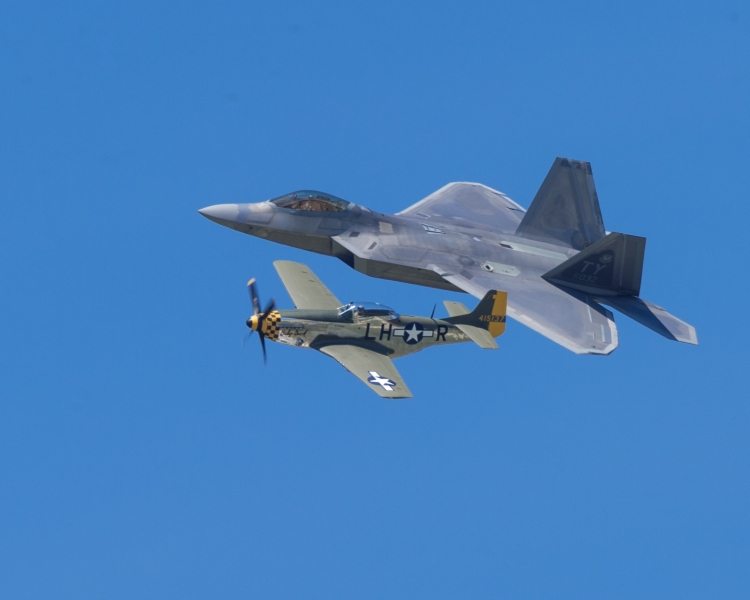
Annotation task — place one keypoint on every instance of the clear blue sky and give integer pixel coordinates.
(145, 454)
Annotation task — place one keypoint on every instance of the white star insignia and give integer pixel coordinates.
(412, 334)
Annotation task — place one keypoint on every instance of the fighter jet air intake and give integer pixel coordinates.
(559, 266)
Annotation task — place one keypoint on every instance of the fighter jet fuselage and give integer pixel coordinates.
(399, 237)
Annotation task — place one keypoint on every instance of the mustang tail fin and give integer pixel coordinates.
(565, 210)
(610, 267)
(485, 322)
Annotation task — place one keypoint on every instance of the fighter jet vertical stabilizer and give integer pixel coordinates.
(610, 267)
(565, 210)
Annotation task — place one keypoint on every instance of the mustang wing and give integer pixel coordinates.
(304, 287)
(375, 370)
(473, 203)
(572, 319)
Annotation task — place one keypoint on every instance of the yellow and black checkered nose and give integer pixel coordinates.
(271, 325)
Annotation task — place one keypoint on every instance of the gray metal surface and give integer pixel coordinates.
(612, 266)
(566, 207)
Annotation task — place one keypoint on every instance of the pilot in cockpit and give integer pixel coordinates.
(361, 310)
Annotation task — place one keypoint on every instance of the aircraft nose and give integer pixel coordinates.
(223, 214)
(242, 217)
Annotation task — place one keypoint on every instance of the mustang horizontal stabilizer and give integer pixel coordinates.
(566, 209)
(375, 370)
(610, 267)
(304, 287)
(654, 317)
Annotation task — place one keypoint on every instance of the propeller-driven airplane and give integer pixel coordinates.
(559, 265)
(365, 336)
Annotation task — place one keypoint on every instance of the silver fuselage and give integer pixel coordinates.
(392, 246)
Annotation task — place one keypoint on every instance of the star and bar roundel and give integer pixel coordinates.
(413, 333)
(384, 382)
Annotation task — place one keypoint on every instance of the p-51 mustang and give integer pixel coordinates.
(365, 336)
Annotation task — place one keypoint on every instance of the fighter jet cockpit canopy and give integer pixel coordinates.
(367, 309)
(312, 201)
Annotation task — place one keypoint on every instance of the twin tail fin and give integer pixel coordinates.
(565, 210)
(612, 266)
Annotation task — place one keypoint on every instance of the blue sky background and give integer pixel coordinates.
(144, 453)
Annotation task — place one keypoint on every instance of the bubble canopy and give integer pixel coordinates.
(367, 309)
(311, 201)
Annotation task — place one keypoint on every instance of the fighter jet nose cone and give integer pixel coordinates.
(221, 213)
(241, 217)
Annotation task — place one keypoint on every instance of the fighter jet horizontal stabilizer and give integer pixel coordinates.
(654, 317)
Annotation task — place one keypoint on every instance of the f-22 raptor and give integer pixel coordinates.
(556, 261)
(365, 336)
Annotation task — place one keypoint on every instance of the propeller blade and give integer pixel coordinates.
(269, 307)
(253, 291)
(246, 337)
(263, 346)
(253, 295)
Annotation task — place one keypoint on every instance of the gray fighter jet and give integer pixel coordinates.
(558, 264)
(365, 336)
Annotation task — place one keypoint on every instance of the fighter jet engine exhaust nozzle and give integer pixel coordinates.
(256, 322)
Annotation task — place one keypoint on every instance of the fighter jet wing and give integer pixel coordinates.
(473, 203)
(572, 319)
(375, 370)
(305, 289)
